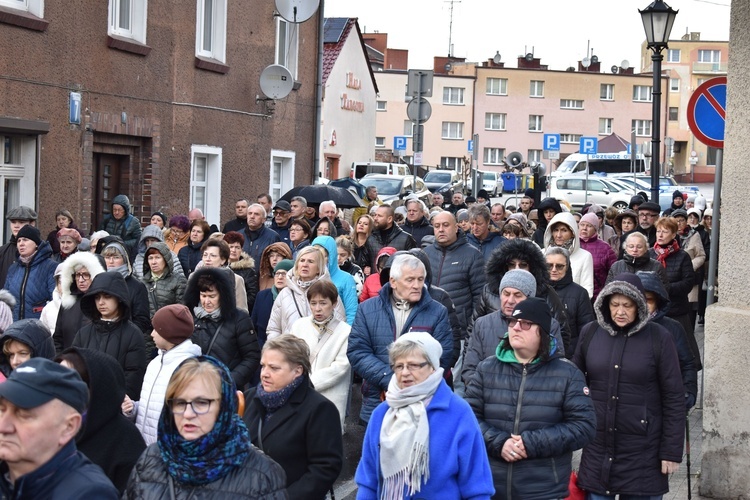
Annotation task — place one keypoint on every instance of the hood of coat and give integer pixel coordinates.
(224, 279)
(570, 221)
(544, 205)
(106, 382)
(279, 247)
(652, 283)
(330, 246)
(151, 231)
(245, 262)
(166, 253)
(93, 263)
(111, 283)
(520, 249)
(603, 316)
(34, 334)
(123, 201)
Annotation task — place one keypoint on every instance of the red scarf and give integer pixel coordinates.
(662, 252)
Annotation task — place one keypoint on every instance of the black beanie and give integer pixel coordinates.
(31, 233)
(535, 310)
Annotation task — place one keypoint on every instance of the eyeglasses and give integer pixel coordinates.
(647, 215)
(525, 325)
(410, 367)
(113, 257)
(295, 229)
(199, 406)
(82, 276)
(177, 231)
(280, 212)
(279, 273)
(558, 267)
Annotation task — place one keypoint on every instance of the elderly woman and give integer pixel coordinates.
(159, 219)
(532, 406)
(215, 253)
(176, 237)
(221, 329)
(67, 242)
(291, 303)
(423, 441)
(631, 360)
(63, 220)
(272, 255)
(363, 227)
(204, 448)
(293, 424)
(299, 235)
(165, 285)
(190, 255)
(327, 338)
(31, 278)
(600, 250)
(562, 231)
(243, 265)
(636, 258)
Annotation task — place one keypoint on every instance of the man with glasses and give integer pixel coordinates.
(282, 212)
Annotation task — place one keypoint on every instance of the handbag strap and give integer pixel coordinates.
(213, 339)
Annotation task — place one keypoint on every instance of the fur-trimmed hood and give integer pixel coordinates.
(570, 221)
(224, 279)
(8, 298)
(279, 247)
(630, 290)
(245, 262)
(93, 264)
(520, 249)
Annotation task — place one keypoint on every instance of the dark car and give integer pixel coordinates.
(445, 182)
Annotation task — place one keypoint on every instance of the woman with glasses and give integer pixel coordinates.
(533, 408)
(299, 235)
(203, 449)
(635, 258)
(292, 423)
(176, 237)
(423, 441)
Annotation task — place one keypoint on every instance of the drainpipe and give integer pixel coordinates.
(318, 95)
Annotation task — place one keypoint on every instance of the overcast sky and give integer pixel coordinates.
(557, 30)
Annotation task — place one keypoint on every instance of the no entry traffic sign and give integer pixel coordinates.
(706, 112)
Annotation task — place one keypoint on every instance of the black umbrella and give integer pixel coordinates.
(349, 183)
(318, 193)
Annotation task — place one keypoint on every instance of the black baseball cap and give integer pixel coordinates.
(283, 205)
(40, 380)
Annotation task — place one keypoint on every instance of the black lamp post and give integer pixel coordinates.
(658, 19)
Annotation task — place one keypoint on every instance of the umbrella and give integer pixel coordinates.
(318, 193)
(349, 183)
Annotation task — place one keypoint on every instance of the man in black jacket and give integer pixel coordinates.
(239, 223)
(416, 223)
(387, 234)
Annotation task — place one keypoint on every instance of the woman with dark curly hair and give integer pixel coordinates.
(190, 255)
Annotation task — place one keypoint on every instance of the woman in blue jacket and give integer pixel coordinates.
(31, 278)
(344, 281)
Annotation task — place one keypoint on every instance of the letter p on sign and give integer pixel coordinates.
(588, 145)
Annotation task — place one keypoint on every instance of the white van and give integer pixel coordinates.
(360, 169)
(490, 181)
(605, 163)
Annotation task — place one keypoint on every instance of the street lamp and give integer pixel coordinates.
(658, 19)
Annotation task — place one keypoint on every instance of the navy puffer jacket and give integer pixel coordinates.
(32, 284)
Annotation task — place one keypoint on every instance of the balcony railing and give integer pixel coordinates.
(711, 68)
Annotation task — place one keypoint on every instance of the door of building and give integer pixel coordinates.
(108, 171)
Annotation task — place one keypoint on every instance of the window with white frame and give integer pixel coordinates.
(494, 121)
(380, 142)
(673, 55)
(607, 92)
(127, 18)
(18, 159)
(709, 56)
(451, 162)
(211, 29)
(497, 86)
(205, 180)
(453, 130)
(571, 104)
(570, 138)
(408, 159)
(409, 128)
(642, 93)
(381, 105)
(33, 7)
(287, 45)
(493, 156)
(535, 123)
(674, 114)
(674, 84)
(536, 88)
(605, 126)
(534, 155)
(453, 95)
(642, 128)
(282, 173)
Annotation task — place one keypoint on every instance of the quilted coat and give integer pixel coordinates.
(32, 284)
(169, 287)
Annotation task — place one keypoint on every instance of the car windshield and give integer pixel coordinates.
(443, 177)
(385, 186)
(489, 176)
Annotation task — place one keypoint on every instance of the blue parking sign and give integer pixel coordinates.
(588, 145)
(551, 142)
(471, 146)
(399, 143)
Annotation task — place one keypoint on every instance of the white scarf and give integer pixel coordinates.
(405, 437)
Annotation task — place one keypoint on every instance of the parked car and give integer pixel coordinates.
(392, 188)
(600, 191)
(445, 182)
(360, 169)
(667, 186)
(490, 182)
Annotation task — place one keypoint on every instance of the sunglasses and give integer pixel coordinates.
(525, 325)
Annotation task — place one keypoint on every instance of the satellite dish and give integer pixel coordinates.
(585, 62)
(296, 11)
(614, 69)
(276, 81)
(594, 59)
(529, 57)
(625, 64)
(448, 66)
(497, 59)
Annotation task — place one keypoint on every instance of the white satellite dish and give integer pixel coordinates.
(297, 11)
(625, 64)
(276, 81)
(497, 59)
(585, 62)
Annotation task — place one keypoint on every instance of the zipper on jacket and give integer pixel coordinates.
(22, 296)
(516, 425)
(440, 272)
(151, 392)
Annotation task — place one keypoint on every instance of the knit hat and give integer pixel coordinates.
(31, 233)
(483, 194)
(636, 200)
(283, 265)
(173, 323)
(709, 212)
(535, 310)
(528, 193)
(21, 213)
(470, 199)
(431, 347)
(691, 198)
(700, 202)
(163, 217)
(71, 233)
(677, 194)
(695, 212)
(633, 280)
(462, 215)
(680, 213)
(118, 246)
(521, 280)
(592, 219)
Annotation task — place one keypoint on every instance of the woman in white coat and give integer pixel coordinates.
(291, 304)
(327, 338)
(562, 231)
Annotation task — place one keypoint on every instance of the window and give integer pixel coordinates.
(536, 88)
(211, 29)
(493, 156)
(380, 142)
(711, 155)
(534, 155)
(709, 56)
(453, 95)
(452, 163)
(494, 121)
(673, 55)
(571, 104)
(605, 126)
(205, 180)
(674, 114)
(17, 173)
(642, 128)
(453, 130)
(287, 45)
(607, 92)
(535, 123)
(408, 159)
(34, 7)
(380, 105)
(570, 138)
(497, 86)
(127, 18)
(674, 84)
(282, 173)
(642, 93)
(409, 128)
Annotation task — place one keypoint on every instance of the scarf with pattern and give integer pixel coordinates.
(664, 251)
(274, 400)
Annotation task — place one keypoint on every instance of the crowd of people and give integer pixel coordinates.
(489, 343)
